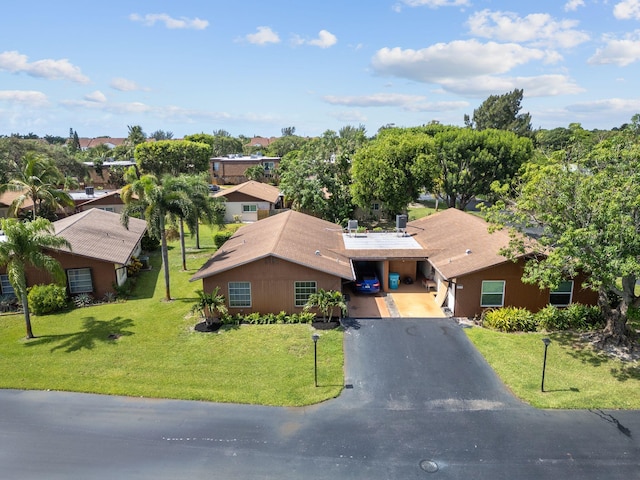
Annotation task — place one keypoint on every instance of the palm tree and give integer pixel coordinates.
(145, 197)
(38, 179)
(208, 209)
(23, 246)
(326, 301)
(210, 305)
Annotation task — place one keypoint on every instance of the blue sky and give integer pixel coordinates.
(254, 67)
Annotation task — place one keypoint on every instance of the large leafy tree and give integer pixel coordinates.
(394, 168)
(146, 197)
(470, 160)
(587, 220)
(502, 112)
(172, 157)
(24, 245)
(37, 179)
(221, 142)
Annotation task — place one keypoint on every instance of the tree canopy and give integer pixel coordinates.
(502, 113)
(221, 144)
(172, 157)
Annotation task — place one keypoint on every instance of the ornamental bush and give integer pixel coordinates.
(509, 319)
(45, 299)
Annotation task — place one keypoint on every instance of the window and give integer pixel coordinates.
(5, 287)
(492, 293)
(375, 207)
(302, 292)
(249, 208)
(561, 296)
(216, 166)
(107, 209)
(268, 165)
(80, 280)
(239, 294)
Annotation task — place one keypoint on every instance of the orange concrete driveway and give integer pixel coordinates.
(408, 301)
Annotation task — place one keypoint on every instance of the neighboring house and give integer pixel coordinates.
(250, 201)
(101, 199)
(100, 250)
(275, 264)
(269, 266)
(103, 179)
(260, 142)
(87, 143)
(230, 169)
(7, 198)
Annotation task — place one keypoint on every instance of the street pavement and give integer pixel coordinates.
(419, 402)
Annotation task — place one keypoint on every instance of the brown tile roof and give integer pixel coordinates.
(258, 190)
(291, 236)
(114, 196)
(94, 142)
(99, 234)
(458, 243)
(7, 198)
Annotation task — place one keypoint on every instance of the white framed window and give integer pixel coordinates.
(268, 165)
(302, 292)
(79, 280)
(249, 208)
(492, 293)
(239, 294)
(5, 286)
(375, 207)
(216, 166)
(562, 295)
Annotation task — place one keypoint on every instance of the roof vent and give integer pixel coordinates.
(318, 252)
(468, 251)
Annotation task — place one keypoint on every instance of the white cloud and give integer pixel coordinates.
(432, 3)
(30, 98)
(325, 39)
(609, 105)
(15, 62)
(620, 52)
(96, 96)
(627, 9)
(125, 85)
(536, 28)
(572, 5)
(263, 36)
(350, 116)
(151, 19)
(411, 103)
(537, 86)
(458, 59)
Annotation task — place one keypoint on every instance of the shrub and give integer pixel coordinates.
(552, 318)
(45, 299)
(134, 267)
(83, 300)
(124, 291)
(584, 317)
(510, 319)
(109, 297)
(8, 302)
(221, 237)
(149, 243)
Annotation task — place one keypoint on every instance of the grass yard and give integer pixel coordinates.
(576, 377)
(147, 347)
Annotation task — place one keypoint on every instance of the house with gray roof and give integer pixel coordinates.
(249, 201)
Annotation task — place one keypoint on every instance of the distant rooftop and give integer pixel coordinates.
(379, 241)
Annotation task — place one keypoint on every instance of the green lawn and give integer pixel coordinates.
(576, 376)
(158, 354)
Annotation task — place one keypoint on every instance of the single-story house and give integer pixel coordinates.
(108, 200)
(7, 198)
(250, 201)
(101, 248)
(274, 264)
(230, 169)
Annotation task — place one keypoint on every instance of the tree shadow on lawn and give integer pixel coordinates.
(95, 331)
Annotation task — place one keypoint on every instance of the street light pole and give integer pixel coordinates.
(315, 337)
(546, 342)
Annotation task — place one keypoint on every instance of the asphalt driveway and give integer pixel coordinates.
(419, 403)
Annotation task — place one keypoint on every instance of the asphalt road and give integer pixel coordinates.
(420, 403)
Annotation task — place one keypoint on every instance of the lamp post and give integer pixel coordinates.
(546, 342)
(315, 338)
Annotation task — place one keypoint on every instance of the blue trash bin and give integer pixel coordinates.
(394, 281)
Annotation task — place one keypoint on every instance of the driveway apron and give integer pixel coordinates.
(419, 363)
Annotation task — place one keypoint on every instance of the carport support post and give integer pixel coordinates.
(315, 338)
(546, 342)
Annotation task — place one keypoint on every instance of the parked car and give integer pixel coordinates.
(367, 282)
(213, 188)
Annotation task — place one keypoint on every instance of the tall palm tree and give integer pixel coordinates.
(145, 197)
(38, 179)
(23, 245)
(208, 209)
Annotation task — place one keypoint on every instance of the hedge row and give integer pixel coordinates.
(257, 318)
(575, 317)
